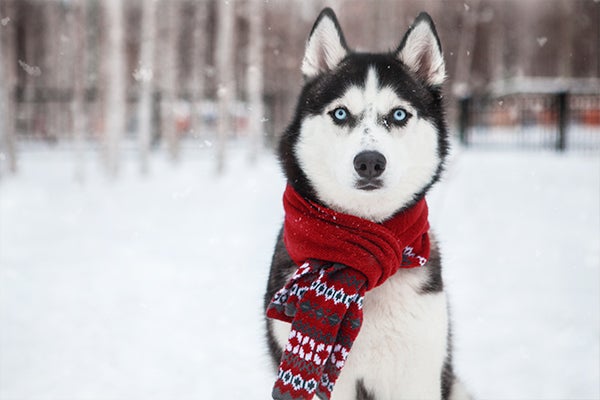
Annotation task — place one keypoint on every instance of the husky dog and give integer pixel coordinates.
(369, 139)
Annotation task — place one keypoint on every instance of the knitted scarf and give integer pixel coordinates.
(340, 257)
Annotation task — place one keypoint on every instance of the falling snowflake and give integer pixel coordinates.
(542, 41)
(30, 69)
(143, 74)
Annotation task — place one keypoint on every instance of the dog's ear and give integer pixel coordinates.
(326, 45)
(421, 52)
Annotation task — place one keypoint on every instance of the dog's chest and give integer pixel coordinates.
(401, 347)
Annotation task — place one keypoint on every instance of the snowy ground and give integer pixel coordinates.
(152, 288)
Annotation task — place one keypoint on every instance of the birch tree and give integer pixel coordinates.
(76, 18)
(254, 75)
(225, 77)
(198, 56)
(114, 101)
(497, 44)
(50, 73)
(168, 65)
(144, 75)
(3, 110)
(464, 60)
(7, 87)
(565, 66)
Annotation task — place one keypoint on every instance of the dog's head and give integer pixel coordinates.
(368, 137)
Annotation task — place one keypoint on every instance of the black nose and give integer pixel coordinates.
(369, 164)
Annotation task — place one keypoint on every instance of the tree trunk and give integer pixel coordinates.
(565, 66)
(225, 77)
(464, 59)
(77, 18)
(7, 88)
(145, 77)
(114, 105)
(169, 63)
(254, 77)
(496, 46)
(198, 56)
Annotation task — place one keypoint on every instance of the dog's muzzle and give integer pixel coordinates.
(369, 165)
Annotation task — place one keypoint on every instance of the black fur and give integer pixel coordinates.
(317, 93)
(447, 371)
(422, 17)
(326, 87)
(328, 12)
(434, 282)
(282, 267)
(361, 392)
(321, 90)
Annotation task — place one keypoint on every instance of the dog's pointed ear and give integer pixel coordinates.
(326, 45)
(421, 51)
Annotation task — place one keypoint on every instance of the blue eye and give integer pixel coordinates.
(399, 115)
(340, 114)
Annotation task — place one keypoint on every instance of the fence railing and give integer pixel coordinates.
(560, 121)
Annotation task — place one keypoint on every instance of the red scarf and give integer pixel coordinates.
(340, 257)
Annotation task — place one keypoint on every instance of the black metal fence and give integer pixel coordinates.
(560, 121)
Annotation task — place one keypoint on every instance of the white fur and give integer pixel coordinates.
(401, 346)
(324, 49)
(326, 152)
(422, 54)
(459, 392)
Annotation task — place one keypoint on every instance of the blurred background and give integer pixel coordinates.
(140, 196)
(180, 73)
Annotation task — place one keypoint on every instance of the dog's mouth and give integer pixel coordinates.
(369, 184)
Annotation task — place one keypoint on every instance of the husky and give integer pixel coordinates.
(369, 138)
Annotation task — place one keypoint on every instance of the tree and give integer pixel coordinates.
(114, 99)
(76, 21)
(3, 108)
(7, 89)
(168, 55)
(198, 56)
(225, 74)
(464, 61)
(145, 77)
(254, 76)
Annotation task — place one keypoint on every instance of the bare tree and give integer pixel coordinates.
(145, 77)
(497, 45)
(114, 101)
(225, 76)
(50, 75)
(3, 109)
(254, 76)
(7, 88)
(198, 56)
(167, 54)
(76, 21)
(525, 22)
(464, 60)
(565, 66)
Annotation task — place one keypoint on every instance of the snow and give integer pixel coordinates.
(30, 69)
(522, 252)
(542, 40)
(151, 288)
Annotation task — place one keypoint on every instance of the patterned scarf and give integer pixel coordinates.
(340, 257)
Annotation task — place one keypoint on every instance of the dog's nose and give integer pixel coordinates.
(369, 164)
